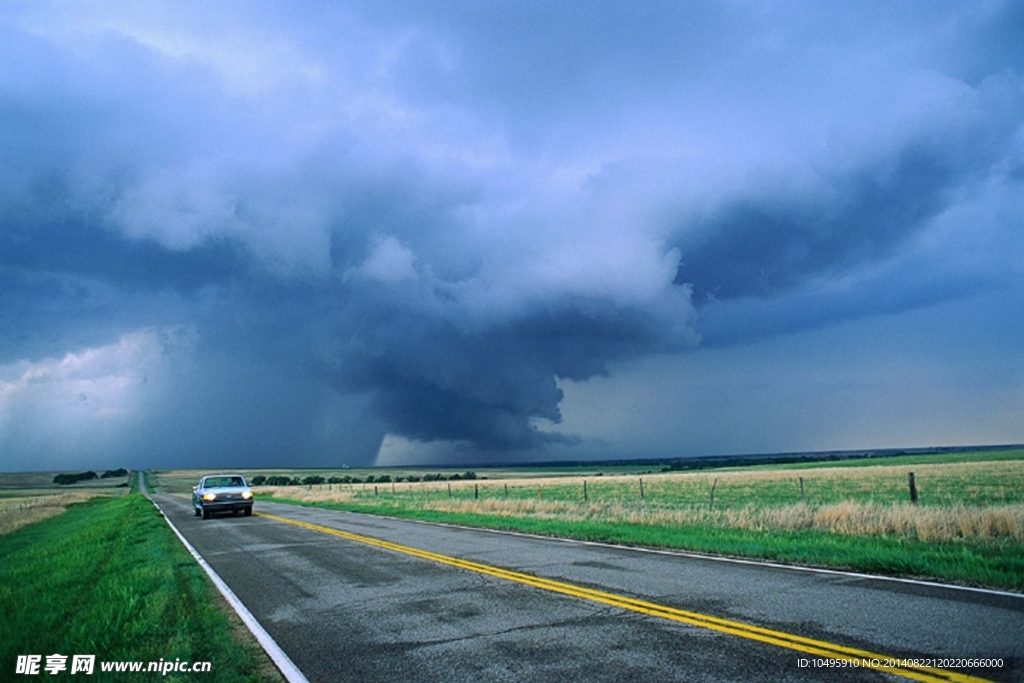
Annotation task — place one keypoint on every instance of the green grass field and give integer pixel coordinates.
(108, 577)
(856, 514)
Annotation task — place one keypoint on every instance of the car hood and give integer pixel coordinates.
(225, 489)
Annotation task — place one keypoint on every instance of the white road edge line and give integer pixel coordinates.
(284, 663)
(698, 556)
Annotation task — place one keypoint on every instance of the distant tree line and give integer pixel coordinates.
(279, 480)
(68, 479)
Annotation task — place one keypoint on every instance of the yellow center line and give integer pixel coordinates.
(857, 658)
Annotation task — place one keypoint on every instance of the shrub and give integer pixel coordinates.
(68, 479)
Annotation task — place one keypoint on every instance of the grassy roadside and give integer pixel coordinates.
(967, 529)
(16, 512)
(107, 577)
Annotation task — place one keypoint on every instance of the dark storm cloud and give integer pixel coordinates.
(87, 250)
(295, 231)
(769, 244)
(768, 247)
(430, 378)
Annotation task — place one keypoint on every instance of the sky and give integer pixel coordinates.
(259, 233)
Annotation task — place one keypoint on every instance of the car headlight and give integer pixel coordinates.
(209, 496)
(247, 494)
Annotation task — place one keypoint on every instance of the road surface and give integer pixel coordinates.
(344, 609)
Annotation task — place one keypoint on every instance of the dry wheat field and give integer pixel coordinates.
(29, 497)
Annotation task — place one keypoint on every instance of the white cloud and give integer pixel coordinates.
(389, 262)
(55, 405)
(249, 58)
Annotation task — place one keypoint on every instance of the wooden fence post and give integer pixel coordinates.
(585, 498)
(449, 490)
(803, 496)
(642, 497)
(913, 488)
(713, 485)
(506, 490)
(476, 492)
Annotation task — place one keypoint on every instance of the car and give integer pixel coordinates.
(222, 493)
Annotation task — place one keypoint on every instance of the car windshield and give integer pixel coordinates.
(213, 482)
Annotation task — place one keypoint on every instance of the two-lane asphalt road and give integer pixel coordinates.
(359, 598)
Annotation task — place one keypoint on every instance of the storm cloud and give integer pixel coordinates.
(261, 234)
